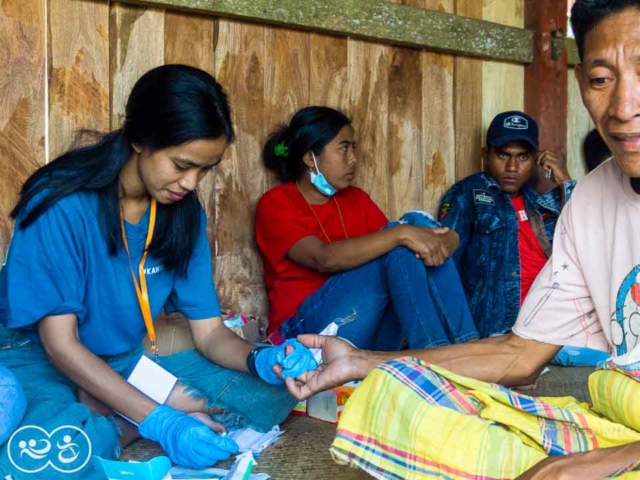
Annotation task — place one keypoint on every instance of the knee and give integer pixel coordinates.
(402, 254)
(12, 404)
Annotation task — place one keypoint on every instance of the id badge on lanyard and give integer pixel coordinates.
(141, 288)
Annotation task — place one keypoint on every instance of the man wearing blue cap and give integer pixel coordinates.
(505, 227)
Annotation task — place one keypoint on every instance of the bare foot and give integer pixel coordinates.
(129, 432)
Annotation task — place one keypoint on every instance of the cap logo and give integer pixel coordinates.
(516, 122)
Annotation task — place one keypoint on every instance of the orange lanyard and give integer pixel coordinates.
(344, 229)
(141, 289)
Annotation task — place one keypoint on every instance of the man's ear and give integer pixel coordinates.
(136, 148)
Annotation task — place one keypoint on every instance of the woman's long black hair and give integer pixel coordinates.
(168, 106)
(310, 129)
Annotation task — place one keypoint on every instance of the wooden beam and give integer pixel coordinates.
(374, 20)
(546, 78)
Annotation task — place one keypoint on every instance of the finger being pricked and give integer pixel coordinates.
(297, 388)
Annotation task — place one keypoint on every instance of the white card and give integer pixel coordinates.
(152, 380)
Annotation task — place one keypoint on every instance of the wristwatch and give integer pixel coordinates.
(251, 360)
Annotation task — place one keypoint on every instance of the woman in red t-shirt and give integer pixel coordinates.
(328, 258)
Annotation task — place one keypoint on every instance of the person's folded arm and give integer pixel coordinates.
(432, 245)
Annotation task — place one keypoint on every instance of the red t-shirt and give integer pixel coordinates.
(283, 218)
(532, 257)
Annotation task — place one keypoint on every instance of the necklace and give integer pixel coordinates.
(344, 229)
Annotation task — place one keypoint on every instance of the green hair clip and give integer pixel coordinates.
(281, 150)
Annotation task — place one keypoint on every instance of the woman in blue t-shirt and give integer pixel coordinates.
(107, 236)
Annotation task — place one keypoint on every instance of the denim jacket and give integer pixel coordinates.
(488, 258)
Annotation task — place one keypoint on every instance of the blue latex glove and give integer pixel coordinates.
(186, 440)
(293, 365)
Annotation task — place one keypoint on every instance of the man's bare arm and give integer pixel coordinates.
(509, 360)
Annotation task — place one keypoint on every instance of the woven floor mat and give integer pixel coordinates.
(302, 452)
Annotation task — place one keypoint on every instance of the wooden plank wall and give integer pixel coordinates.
(419, 116)
(22, 101)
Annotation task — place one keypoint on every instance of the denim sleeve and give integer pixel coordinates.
(455, 213)
(568, 186)
(554, 197)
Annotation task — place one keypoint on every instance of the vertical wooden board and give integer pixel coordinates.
(79, 70)
(405, 127)
(468, 102)
(240, 178)
(438, 129)
(405, 132)
(136, 37)
(502, 83)
(189, 40)
(369, 65)
(546, 83)
(286, 79)
(578, 126)
(22, 101)
(328, 72)
(438, 135)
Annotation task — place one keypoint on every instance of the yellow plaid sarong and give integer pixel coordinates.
(409, 420)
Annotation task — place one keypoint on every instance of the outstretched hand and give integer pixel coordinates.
(341, 363)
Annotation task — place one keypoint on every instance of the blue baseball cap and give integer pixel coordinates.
(512, 126)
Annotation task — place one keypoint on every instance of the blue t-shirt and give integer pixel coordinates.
(61, 264)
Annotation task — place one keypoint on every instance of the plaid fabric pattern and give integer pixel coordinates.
(411, 420)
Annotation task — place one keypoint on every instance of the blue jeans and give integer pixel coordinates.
(393, 298)
(12, 404)
(52, 402)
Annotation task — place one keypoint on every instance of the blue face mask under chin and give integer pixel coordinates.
(319, 181)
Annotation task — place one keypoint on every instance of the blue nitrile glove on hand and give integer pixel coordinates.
(300, 360)
(186, 440)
